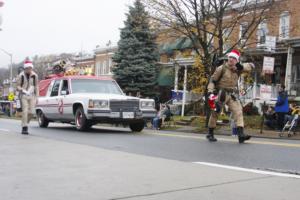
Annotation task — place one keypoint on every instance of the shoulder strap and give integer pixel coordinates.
(222, 73)
(22, 80)
(33, 80)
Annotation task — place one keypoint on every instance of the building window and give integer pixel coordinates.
(262, 32)
(243, 33)
(284, 26)
(226, 42)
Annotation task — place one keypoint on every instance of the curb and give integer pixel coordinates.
(223, 134)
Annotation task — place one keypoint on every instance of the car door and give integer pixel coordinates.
(53, 100)
(65, 110)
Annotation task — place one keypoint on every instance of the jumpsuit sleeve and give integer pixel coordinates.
(215, 77)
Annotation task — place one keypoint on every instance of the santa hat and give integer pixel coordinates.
(28, 64)
(235, 54)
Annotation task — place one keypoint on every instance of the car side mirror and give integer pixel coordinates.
(64, 92)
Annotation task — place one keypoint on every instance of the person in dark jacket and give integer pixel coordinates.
(270, 118)
(281, 107)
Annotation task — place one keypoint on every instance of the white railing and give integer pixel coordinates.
(295, 89)
(254, 93)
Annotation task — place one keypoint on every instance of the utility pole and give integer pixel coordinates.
(11, 66)
(10, 78)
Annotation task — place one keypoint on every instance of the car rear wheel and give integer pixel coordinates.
(137, 126)
(81, 121)
(42, 120)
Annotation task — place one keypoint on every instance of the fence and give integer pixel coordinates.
(7, 107)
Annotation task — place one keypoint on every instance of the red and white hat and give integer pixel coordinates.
(235, 54)
(28, 64)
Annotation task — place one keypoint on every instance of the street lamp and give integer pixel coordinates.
(11, 66)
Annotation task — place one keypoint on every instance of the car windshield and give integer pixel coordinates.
(95, 86)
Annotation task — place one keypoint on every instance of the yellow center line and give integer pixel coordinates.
(281, 144)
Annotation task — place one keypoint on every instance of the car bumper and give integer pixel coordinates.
(120, 116)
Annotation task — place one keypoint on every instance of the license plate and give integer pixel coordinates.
(128, 115)
(115, 114)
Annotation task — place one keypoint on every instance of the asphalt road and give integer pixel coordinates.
(263, 154)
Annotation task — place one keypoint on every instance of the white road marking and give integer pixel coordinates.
(4, 130)
(249, 170)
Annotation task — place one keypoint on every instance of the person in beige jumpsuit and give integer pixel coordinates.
(224, 81)
(27, 85)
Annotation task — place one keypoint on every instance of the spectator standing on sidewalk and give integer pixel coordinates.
(27, 85)
(281, 107)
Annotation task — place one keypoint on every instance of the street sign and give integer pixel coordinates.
(268, 65)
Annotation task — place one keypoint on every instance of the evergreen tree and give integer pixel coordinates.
(137, 53)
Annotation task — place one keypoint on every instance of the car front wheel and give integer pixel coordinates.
(42, 120)
(81, 121)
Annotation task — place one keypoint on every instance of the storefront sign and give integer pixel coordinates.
(268, 65)
(265, 92)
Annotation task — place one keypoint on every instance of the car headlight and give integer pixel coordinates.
(101, 104)
(147, 104)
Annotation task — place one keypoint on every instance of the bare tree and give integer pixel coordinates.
(210, 23)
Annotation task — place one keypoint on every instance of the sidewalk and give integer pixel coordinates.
(34, 168)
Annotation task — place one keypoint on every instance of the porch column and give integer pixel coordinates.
(176, 77)
(288, 71)
(254, 91)
(184, 90)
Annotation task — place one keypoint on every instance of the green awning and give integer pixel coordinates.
(178, 44)
(165, 48)
(166, 76)
(187, 44)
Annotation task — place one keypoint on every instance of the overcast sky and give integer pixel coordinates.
(39, 27)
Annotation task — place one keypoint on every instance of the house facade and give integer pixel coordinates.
(103, 61)
(277, 37)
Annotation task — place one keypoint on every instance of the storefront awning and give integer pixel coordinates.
(179, 44)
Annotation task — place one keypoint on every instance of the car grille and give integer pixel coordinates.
(124, 106)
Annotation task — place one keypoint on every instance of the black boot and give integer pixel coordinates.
(242, 137)
(25, 130)
(210, 136)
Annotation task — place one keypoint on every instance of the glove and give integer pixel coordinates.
(239, 66)
(25, 92)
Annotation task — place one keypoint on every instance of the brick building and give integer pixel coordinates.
(282, 23)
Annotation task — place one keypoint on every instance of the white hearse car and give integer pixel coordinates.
(88, 100)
